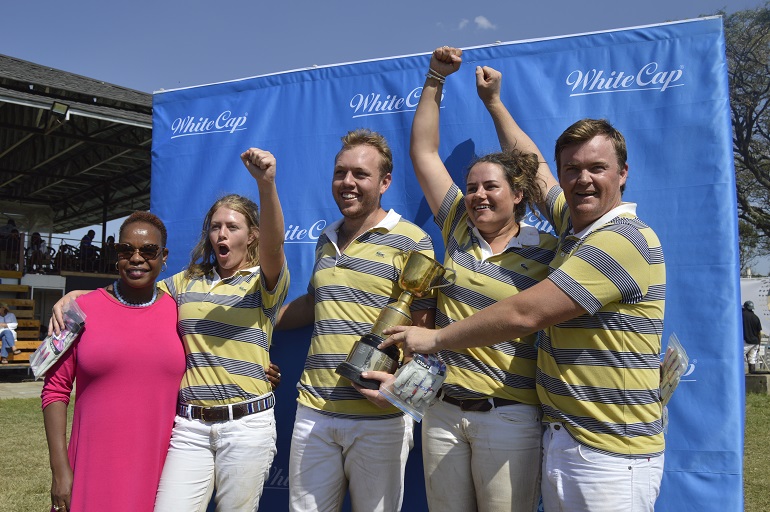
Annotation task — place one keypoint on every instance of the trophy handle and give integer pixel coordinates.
(450, 279)
(397, 259)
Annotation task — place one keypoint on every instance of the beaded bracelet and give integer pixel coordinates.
(435, 75)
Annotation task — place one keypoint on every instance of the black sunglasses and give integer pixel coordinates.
(147, 251)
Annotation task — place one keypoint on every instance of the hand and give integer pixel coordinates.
(273, 375)
(56, 323)
(61, 490)
(374, 395)
(260, 163)
(412, 339)
(488, 82)
(418, 382)
(446, 60)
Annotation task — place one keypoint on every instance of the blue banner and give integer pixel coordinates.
(664, 87)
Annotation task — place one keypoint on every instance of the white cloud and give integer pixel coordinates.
(463, 23)
(483, 23)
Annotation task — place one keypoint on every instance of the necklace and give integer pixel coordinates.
(116, 289)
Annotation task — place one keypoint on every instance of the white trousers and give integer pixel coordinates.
(330, 455)
(577, 478)
(232, 456)
(482, 461)
(750, 352)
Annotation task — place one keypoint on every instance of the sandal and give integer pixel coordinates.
(16, 351)
(3, 361)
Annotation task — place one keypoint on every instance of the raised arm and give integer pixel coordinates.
(428, 166)
(262, 166)
(509, 133)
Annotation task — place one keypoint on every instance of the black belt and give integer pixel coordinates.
(478, 404)
(226, 412)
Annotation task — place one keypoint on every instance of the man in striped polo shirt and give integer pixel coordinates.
(601, 309)
(341, 440)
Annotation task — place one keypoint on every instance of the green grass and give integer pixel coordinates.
(756, 459)
(26, 478)
(26, 481)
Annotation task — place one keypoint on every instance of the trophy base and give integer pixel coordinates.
(353, 374)
(366, 356)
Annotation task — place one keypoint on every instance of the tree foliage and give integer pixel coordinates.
(750, 248)
(747, 41)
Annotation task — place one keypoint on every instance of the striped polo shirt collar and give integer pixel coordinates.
(214, 277)
(528, 236)
(623, 209)
(387, 223)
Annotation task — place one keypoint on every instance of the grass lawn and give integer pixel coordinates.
(26, 477)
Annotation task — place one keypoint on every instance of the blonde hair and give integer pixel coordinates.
(366, 137)
(202, 258)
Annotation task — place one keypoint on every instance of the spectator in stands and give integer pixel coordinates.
(5, 234)
(12, 253)
(5, 230)
(36, 253)
(109, 257)
(88, 252)
(235, 284)
(125, 322)
(8, 325)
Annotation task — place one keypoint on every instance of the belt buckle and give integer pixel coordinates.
(210, 414)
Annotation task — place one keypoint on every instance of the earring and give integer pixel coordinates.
(116, 265)
(163, 267)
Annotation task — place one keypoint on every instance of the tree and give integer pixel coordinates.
(747, 41)
(749, 249)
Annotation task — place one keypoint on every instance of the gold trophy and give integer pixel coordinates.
(420, 274)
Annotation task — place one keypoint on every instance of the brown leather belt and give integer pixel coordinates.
(478, 404)
(226, 412)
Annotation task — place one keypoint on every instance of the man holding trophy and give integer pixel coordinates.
(342, 440)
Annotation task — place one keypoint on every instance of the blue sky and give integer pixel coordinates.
(150, 46)
(169, 44)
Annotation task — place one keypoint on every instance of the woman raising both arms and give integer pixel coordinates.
(481, 440)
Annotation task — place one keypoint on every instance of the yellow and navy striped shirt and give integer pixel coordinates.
(504, 370)
(226, 326)
(599, 373)
(350, 290)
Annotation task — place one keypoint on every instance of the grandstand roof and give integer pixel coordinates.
(88, 166)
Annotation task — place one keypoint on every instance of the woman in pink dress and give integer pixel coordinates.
(128, 363)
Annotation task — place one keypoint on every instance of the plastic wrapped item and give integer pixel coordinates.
(416, 385)
(55, 345)
(675, 364)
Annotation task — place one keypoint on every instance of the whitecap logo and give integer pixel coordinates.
(277, 479)
(380, 103)
(540, 223)
(225, 122)
(650, 77)
(296, 234)
(689, 372)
